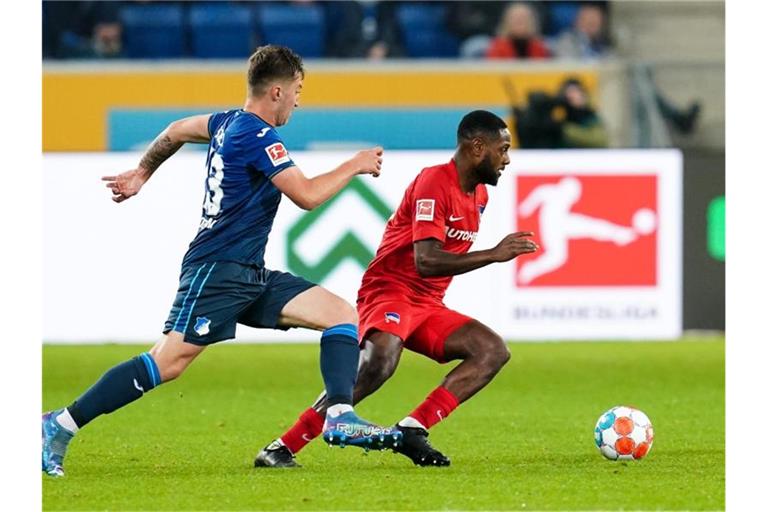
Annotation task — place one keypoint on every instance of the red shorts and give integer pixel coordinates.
(422, 327)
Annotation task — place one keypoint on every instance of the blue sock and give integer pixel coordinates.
(120, 386)
(339, 354)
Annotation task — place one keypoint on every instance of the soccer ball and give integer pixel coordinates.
(624, 433)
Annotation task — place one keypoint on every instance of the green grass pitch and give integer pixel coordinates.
(523, 443)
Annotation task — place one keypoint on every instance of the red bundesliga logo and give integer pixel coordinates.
(277, 151)
(425, 209)
(593, 230)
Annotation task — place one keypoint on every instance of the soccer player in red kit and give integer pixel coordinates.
(400, 302)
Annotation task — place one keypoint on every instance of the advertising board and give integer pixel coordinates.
(608, 223)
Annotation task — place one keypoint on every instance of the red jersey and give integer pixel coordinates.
(434, 206)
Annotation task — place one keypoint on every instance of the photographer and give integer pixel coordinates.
(563, 121)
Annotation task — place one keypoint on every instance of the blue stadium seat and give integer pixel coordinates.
(561, 16)
(220, 30)
(424, 33)
(299, 27)
(153, 30)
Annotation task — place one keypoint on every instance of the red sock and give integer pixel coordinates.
(438, 405)
(307, 427)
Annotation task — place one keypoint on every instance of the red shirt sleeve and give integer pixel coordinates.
(482, 197)
(429, 208)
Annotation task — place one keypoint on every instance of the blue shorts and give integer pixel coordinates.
(214, 297)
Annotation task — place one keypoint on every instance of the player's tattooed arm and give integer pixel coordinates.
(128, 183)
(178, 133)
(432, 261)
(161, 150)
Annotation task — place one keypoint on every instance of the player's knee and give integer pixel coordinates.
(350, 313)
(344, 313)
(503, 355)
(496, 353)
(170, 369)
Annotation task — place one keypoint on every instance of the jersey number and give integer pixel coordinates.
(212, 203)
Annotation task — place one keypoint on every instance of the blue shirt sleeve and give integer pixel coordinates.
(215, 121)
(269, 154)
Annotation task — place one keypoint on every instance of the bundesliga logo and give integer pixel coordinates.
(425, 209)
(277, 153)
(593, 230)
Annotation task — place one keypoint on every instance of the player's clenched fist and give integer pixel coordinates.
(125, 184)
(368, 161)
(513, 245)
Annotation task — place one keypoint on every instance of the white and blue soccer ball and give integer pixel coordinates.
(624, 433)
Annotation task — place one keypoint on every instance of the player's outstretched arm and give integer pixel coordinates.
(176, 134)
(432, 261)
(309, 193)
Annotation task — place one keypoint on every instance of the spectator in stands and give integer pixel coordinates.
(363, 29)
(107, 39)
(588, 38)
(81, 29)
(473, 23)
(564, 121)
(518, 35)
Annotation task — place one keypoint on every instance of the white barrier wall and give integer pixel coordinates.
(609, 223)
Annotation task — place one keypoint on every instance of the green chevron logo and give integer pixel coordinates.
(716, 228)
(348, 245)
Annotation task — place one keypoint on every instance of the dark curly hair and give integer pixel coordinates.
(479, 123)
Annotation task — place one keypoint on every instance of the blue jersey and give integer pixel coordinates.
(240, 200)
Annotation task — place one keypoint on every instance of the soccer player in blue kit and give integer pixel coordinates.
(223, 280)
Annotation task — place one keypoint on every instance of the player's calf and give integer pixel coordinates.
(377, 362)
(483, 354)
(379, 358)
(118, 387)
(172, 355)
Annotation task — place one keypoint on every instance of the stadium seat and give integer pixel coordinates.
(561, 16)
(220, 30)
(299, 27)
(153, 30)
(424, 33)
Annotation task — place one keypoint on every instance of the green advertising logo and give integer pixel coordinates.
(349, 246)
(716, 228)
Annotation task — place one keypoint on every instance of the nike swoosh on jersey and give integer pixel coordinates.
(454, 219)
(136, 385)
